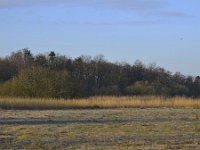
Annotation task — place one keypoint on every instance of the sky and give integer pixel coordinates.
(165, 32)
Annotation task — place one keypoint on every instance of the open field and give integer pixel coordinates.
(100, 102)
(133, 128)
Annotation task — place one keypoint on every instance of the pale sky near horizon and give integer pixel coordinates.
(165, 32)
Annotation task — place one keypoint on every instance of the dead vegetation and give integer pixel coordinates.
(100, 102)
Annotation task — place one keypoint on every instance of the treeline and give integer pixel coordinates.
(24, 75)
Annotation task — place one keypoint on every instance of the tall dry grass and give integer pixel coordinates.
(99, 102)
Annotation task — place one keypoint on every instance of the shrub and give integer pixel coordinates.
(140, 88)
(39, 82)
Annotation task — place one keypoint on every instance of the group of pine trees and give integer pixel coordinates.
(24, 75)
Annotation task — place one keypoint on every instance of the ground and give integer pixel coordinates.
(155, 128)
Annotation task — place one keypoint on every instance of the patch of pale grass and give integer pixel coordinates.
(100, 102)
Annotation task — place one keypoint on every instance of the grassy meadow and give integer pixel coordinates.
(98, 129)
(124, 123)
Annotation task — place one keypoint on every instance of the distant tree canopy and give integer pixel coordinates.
(24, 75)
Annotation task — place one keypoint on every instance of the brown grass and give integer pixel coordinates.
(100, 102)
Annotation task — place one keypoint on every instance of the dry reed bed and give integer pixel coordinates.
(99, 102)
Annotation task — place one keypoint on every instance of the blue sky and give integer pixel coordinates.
(165, 32)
